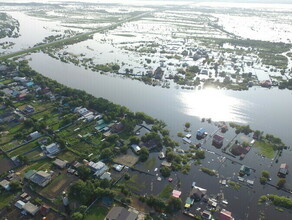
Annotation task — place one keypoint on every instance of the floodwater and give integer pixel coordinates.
(264, 109)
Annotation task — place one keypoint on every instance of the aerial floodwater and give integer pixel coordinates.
(261, 108)
(145, 109)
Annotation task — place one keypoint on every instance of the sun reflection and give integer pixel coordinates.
(214, 104)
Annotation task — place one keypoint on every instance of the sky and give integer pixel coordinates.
(160, 1)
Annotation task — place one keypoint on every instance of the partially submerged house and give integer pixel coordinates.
(201, 133)
(283, 170)
(217, 140)
(197, 193)
(244, 170)
(225, 215)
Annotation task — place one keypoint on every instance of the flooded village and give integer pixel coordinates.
(66, 152)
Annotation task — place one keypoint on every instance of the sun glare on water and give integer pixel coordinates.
(214, 104)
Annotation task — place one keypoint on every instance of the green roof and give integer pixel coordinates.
(29, 173)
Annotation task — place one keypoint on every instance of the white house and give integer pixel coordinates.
(98, 168)
(5, 184)
(52, 149)
(135, 148)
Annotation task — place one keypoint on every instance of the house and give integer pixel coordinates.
(29, 84)
(52, 149)
(244, 170)
(204, 72)
(238, 149)
(189, 202)
(225, 215)
(41, 178)
(117, 127)
(60, 163)
(188, 136)
(29, 109)
(158, 73)
(34, 135)
(118, 167)
(19, 204)
(187, 140)
(224, 128)
(135, 148)
(98, 168)
(206, 215)
(106, 175)
(43, 141)
(201, 133)
(166, 164)
(197, 193)
(5, 184)
(30, 208)
(120, 213)
(217, 140)
(266, 83)
(81, 111)
(44, 210)
(283, 170)
(161, 156)
(21, 96)
(151, 144)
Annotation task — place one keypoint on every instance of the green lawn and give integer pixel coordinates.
(44, 164)
(265, 148)
(67, 155)
(150, 163)
(96, 213)
(166, 192)
(5, 198)
(24, 148)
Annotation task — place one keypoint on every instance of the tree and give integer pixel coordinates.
(266, 174)
(82, 209)
(82, 191)
(134, 140)
(106, 153)
(165, 171)
(144, 154)
(187, 125)
(281, 183)
(263, 180)
(14, 186)
(23, 159)
(174, 204)
(180, 134)
(84, 172)
(77, 216)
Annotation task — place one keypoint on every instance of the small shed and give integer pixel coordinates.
(283, 171)
(60, 163)
(176, 193)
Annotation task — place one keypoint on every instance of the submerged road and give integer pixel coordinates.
(77, 37)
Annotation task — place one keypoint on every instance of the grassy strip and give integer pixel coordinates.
(208, 171)
(70, 40)
(265, 148)
(166, 192)
(234, 185)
